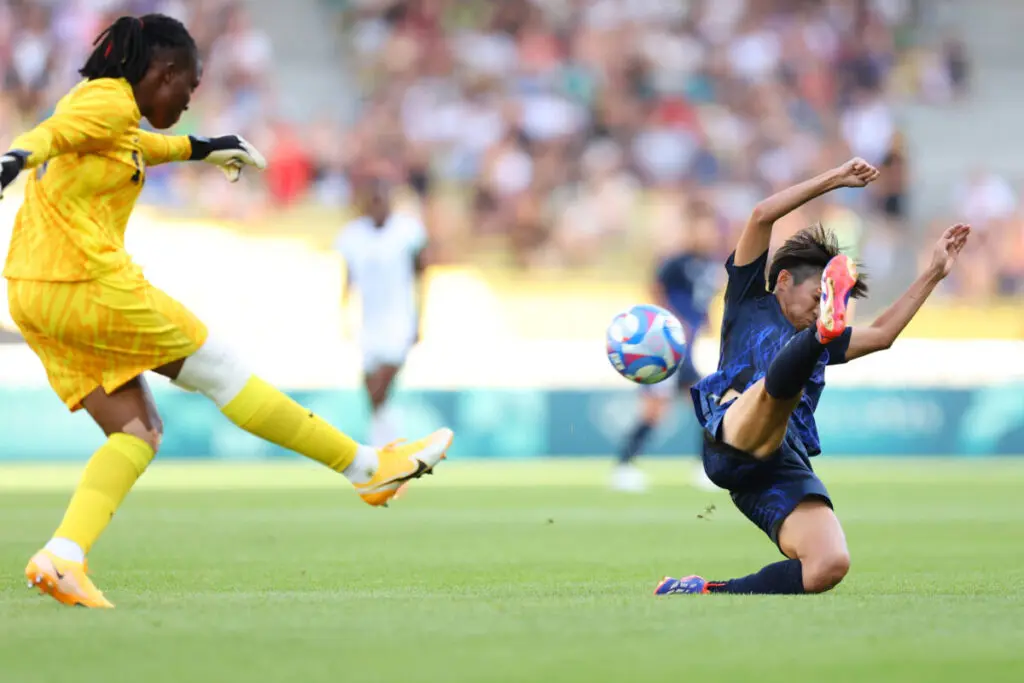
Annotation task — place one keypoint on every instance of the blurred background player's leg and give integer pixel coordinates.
(384, 423)
(656, 401)
(384, 356)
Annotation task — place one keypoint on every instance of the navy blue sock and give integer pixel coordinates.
(637, 439)
(781, 578)
(793, 365)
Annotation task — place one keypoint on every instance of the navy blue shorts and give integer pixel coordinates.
(766, 491)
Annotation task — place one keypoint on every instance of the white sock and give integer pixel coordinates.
(66, 550)
(363, 466)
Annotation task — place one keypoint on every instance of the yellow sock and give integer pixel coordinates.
(109, 475)
(268, 413)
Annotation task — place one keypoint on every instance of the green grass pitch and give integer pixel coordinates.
(515, 572)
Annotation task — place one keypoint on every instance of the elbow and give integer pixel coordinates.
(760, 215)
(884, 340)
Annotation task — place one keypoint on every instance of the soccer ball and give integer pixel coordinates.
(646, 344)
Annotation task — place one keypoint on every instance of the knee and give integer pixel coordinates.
(378, 393)
(654, 410)
(214, 371)
(824, 572)
(152, 434)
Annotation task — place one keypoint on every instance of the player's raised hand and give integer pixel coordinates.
(857, 173)
(231, 153)
(11, 165)
(948, 248)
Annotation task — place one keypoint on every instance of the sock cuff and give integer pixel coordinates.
(135, 450)
(793, 366)
(810, 336)
(249, 401)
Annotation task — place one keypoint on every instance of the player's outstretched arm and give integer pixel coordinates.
(887, 327)
(163, 149)
(758, 232)
(229, 152)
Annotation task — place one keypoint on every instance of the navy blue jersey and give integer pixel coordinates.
(754, 330)
(689, 281)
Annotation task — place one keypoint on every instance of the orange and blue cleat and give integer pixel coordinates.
(837, 282)
(687, 584)
(400, 463)
(65, 581)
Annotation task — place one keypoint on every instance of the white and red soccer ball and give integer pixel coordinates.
(646, 344)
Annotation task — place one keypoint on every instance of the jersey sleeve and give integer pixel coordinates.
(86, 120)
(837, 348)
(417, 236)
(745, 282)
(161, 149)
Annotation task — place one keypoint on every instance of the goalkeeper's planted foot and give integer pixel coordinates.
(399, 463)
(65, 581)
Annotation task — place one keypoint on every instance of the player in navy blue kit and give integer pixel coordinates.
(757, 410)
(685, 284)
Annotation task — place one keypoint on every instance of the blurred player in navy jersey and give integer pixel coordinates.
(685, 283)
(785, 320)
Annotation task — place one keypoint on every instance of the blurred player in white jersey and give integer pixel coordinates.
(384, 256)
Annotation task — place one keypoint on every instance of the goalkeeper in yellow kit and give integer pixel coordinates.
(98, 325)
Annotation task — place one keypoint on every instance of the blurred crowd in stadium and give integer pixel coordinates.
(567, 133)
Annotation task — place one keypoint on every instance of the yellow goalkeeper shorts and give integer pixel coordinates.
(103, 332)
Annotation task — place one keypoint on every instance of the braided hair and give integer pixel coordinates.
(125, 48)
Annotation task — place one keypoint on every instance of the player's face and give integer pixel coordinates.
(378, 200)
(173, 93)
(800, 301)
(705, 236)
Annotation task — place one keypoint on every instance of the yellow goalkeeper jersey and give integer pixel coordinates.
(88, 165)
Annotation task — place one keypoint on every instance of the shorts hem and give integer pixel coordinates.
(774, 535)
(74, 403)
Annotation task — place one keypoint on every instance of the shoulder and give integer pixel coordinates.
(410, 229)
(747, 280)
(671, 265)
(351, 235)
(108, 104)
(679, 261)
(760, 263)
(114, 95)
(411, 225)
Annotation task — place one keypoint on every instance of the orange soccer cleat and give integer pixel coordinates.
(401, 463)
(65, 581)
(837, 282)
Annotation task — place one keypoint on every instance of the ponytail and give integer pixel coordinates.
(125, 48)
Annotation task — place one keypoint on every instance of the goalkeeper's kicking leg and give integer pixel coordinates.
(262, 410)
(129, 418)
